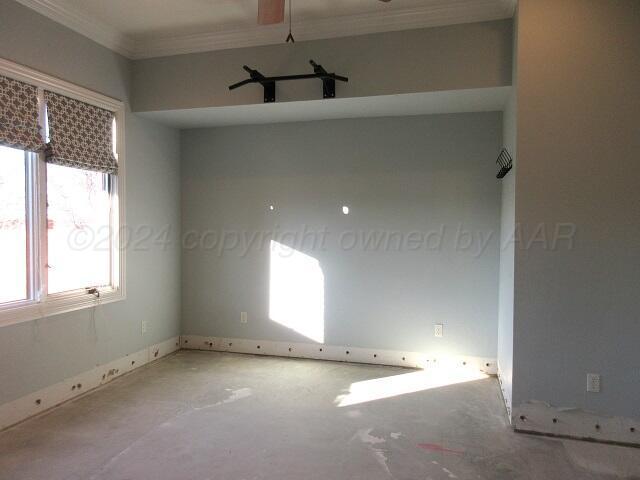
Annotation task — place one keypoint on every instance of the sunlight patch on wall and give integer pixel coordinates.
(296, 291)
(387, 387)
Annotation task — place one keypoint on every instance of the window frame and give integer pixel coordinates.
(40, 303)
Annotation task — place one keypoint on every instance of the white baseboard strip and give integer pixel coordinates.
(38, 402)
(543, 419)
(335, 353)
(506, 398)
(534, 417)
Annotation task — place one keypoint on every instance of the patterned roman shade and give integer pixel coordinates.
(80, 135)
(19, 115)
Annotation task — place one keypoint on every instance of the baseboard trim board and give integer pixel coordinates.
(539, 418)
(43, 400)
(506, 399)
(536, 418)
(335, 353)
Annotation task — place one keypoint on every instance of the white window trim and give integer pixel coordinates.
(45, 305)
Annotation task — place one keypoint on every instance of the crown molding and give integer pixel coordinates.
(428, 16)
(99, 32)
(450, 13)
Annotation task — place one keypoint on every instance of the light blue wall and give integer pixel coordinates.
(507, 248)
(40, 353)
(577, 307)
(452, 57)
(403, 175)
(508, 240)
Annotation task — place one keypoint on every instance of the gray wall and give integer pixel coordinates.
(406, 174)
(40, 353)
(507, 240)
(454, 57)
(578, 116)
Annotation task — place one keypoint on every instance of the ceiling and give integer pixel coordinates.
(424, 103)
(149, 28)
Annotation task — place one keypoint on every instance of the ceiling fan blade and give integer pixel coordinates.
(270, 12)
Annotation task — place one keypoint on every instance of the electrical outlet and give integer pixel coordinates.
(438, 330)
(243, 317)
(593, 382)
(144, 327)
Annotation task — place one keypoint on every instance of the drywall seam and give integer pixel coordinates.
(336, 353)
(43, 400)
(543, 419)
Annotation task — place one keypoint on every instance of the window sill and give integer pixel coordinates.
(57, 304)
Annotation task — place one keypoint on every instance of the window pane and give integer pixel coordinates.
(78, 228)
(13, 229)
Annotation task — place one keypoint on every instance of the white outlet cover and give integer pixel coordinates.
(593, 382)
(438, 330)
(144, 327)
(243, 317)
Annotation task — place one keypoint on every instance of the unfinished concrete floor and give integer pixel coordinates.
(206, 415)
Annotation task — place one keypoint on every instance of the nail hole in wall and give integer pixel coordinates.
(632, 430)
(38, 401)
(597, 427)
(523, 418)
(258, 346)
(347, 352)
(555, 420)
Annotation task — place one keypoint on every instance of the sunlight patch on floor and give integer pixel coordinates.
(388, 387)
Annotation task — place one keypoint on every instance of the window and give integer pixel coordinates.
(60, 211)
(13, 226)
(78, 228)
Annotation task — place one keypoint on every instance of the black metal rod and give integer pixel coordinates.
(283, 78)
(243, 82)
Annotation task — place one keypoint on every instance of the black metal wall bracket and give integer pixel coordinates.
(269, 83)
(328, 82)
(505, 162)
